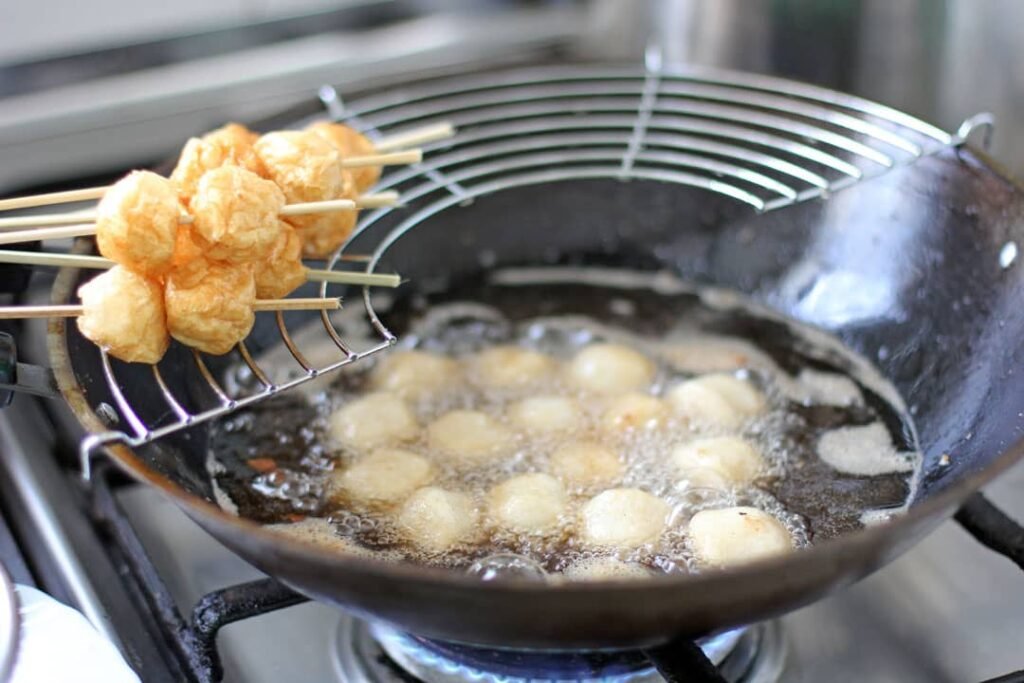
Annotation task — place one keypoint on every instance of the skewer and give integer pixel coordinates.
(73, 310)
(368, 201)
(415, 138)
(35, 258)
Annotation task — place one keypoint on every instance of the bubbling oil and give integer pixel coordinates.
(276, 460)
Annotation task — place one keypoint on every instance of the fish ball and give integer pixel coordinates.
(350, 143)
(469, 436)
(323, 233)
(718, 462)
(211, 311)
(623, 518)
(385, 476)
(376, 419)
(546, 414)
(529, 503)
(510, 367)
(736, 535)
(435, 519)
(306, 167)
(717, 400)
(414, 374)
(123, 312)
(236, 212)
(634, 411)
(282, 272)
(585, 463)
(610, 369)
(137, 221)
(230, 145)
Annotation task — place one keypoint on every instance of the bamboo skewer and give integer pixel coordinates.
(415, 138)
(34, 258)
(368, 201)
(73, 311)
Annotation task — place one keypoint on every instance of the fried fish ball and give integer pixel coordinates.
(211, 312)
(718, 400)
(323, 233)
(230, 145)
(736, 535)
(610, 369)
(384, 477)
(236, 212)
(415, 374)
(282, 272)
(634, 411)
(377, 419)
(123, 312)
(623, 518)
(605, 569)
(469, 436)
(510, 367)
(350, 143)
(718, 462)
(586, 463)
(546, 414)
(435, 519)
(306, 168)
(528, 503)
(137, 221)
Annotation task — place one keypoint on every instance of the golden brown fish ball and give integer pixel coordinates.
(510, 367)
(230, 145)
(377, 419)
(736, 535)
(605, 569)
(633, 412)
(236, 213)
(350, 143)
(717, 400)
(282, 272)
(623, 518)
(384, 477)
(306, 168)
(137, 221)
(718, 462)
(415, 374)
(610, 369)
(323, 233)
(586, 463)
(469, 437)
(123, 312)
(546, 415)
(527, 504)
(435, 519)
(211, 312)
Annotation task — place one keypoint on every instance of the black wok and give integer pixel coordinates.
(943, 316)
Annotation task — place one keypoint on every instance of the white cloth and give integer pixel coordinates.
(58, 644)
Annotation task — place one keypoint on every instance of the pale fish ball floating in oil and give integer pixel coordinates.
(435, 519)
(717, 400)
(230, 145)
(377, 419)
(623, 518)
(586, 463)
(415, 374)
(529, 504)
(633, 412)
(137, 223)
(546, 414)
(510, 367)
(736, 535)
(384, 477)
(610, 369)
(123, 312)
(717, 462)
(469, 437)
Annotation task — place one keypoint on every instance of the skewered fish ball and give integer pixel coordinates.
(415, 374)
(123, 312)
(235, 212)
(213, 311)
(350, 143)
(634, 411)
(435, 519)
(510, 367)
(585, 463)
(610, 369)
(386, 476)
(736, 535)
(527, 504)
(377, 419)
(718, 462)
(306, 168)
(717, 400)
(230, 145)
(545, 415)
(282, 272)
(605, 569)
(469, 437)
(623, 518)
(322, 234)
(137, 221)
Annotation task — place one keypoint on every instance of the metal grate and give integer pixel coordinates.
(763, 142)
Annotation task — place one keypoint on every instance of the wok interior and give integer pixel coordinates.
(903, 268)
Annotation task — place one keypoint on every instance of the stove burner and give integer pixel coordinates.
(374, 653)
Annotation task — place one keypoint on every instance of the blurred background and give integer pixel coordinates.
(91, 87)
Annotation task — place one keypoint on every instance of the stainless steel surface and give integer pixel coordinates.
(8, 625)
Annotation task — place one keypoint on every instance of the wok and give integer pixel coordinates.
(911, 268)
